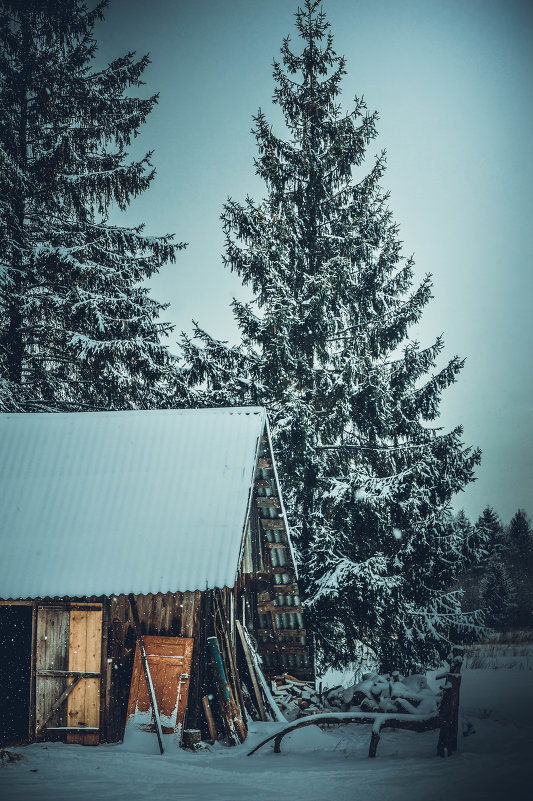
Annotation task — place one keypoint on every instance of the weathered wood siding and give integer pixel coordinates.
(187, 614)
(51, 655)
(85, 655)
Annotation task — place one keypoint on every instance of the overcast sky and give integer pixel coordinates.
(451, 80)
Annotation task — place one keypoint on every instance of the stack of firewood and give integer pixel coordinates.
(375, 693)
(385, 693)
(294, 697)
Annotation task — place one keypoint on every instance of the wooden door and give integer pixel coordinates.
(169, 662)
(84, 657)
(51, 668)
(67, 668)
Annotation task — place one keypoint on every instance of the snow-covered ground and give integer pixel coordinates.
(493, 762)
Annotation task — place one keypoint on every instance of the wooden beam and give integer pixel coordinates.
(55, 706)
(288, 610)
(69, 673)
(33, 680)
(274, 545)
(79, 729)
(285, 589)
(270, 502)
(263, 483)
(281, 647)
(419, 724)
(266, 575)
(273, 522)
(210, 719)
(251, 670)
(264, 464)
(282, 632)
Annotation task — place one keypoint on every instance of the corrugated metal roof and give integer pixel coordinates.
(118, 502)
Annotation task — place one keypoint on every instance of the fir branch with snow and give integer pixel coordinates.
(78, 328)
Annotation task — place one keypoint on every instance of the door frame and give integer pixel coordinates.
(31, 715)
(101, 603)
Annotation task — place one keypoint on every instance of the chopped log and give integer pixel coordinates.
(264, 464)
(275, 545)
(263, 483)
(192, 738)
(288, 677)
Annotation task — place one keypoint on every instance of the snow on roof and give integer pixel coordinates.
(101, 503)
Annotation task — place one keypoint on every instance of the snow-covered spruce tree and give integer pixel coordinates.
(520, 562)
(78, 330)
(520, 536)
(489, 527)
(367, 476)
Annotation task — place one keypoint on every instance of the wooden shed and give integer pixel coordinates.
(172, 517)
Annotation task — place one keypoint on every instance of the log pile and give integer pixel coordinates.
(390, 701)
(375, 693)
(386, 693)
(294, 697)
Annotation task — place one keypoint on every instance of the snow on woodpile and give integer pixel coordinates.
(375, 693)
(119, 502)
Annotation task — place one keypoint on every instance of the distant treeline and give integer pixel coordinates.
(502, 583)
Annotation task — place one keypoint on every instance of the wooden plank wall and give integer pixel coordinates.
(188, 614)
(85, 644)
(51, 654)
(169, 614)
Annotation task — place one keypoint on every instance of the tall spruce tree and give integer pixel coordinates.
(490, 528)
(367, 474)
(78, 329)
(498, 593)
(520, 535)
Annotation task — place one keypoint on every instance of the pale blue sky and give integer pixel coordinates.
(452, 83)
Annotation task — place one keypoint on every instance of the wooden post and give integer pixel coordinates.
(455, 679)
(209, 718)
(146, 669)
(449, 708)
(374, 742)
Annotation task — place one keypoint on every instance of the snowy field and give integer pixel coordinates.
(493, 762)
